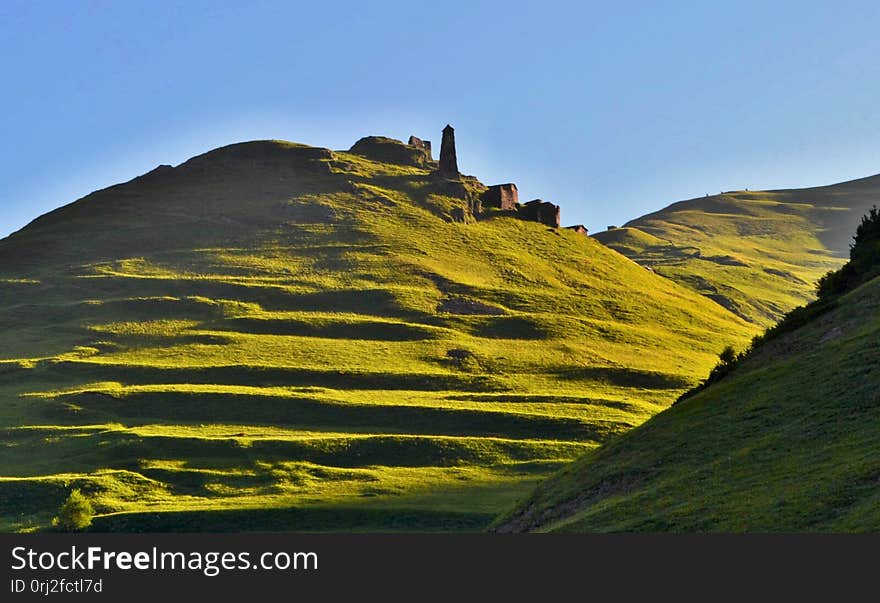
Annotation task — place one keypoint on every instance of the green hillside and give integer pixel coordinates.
(275, 336)
(787, 442)
(757, 253)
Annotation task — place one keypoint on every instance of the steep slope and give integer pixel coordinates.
(789, 441)
(274, 336)
(757, 253)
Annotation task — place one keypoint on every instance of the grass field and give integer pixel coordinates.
(757, 253)
(277, 337)
(788, 442)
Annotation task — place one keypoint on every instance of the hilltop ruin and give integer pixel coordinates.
(503, 197)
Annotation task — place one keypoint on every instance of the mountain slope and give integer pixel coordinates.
(788, 441)
(274, 336)
(757, 253)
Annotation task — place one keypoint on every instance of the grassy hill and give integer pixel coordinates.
(788, 441)
(757, 253)
(275, 336)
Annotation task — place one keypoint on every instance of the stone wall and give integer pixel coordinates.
(502, 196)
(541, 211)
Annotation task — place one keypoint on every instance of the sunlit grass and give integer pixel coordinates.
(270, 341)
(788, 442)
(758, 253)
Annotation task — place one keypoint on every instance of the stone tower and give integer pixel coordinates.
(448, 161)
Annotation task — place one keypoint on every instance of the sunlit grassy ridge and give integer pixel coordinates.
(757, 253)
(273, 336)
(787, 442)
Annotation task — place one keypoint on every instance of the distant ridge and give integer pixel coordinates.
(757, 253)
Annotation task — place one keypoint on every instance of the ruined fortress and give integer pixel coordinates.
(501, 197)
(504, 197)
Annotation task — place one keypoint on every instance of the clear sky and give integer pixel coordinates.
(611, 109)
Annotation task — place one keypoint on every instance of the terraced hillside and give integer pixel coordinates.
(274, 336)
(787, 442)
(757, 253)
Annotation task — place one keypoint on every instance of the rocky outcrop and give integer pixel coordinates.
(390, 150)
(580, 229)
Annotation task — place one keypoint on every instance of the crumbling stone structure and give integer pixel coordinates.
(424, 145)
(502, 196)
(448, 182)
(448, 160)
(541, 211)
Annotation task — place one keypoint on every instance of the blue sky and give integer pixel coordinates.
(610, 109)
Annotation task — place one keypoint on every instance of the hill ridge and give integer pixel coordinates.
(757, 253)
(196, 340)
